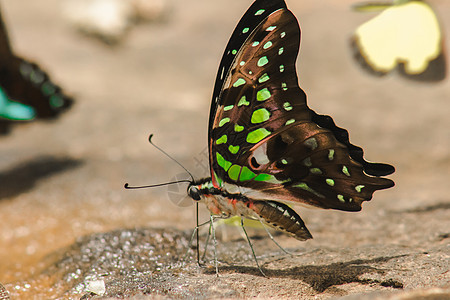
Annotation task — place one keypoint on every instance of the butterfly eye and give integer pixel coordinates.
(194, 193)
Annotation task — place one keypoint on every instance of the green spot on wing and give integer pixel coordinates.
(264, 177)
(263, 78)
(238, 128)
(267, 45)
(234, 171)
(246, 174)
(260, 115)
(307, 162)
(257, 135)
(48, 88)
(263, 61)
(36, 77)
(243, 101)
(224, 121)
(256, 43)
(283, 34)
(345, 171)
(271, 28)
(12, 110)
(239, 82)
(263, 95)
(341, 198)
(331, 154)
(289, 122)
(260, 12)
(305, 187)
(358, 188)
(330, 182)
(223, 139)
(287, 106)
(234, 51)
(56, 101)
(233, 149)
(280, 51)
(311, 143)
(228, 107)
(245, 30)
(284, 86)
(315, 171)
(223, 162)
(281, 68)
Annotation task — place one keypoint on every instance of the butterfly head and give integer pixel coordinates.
(194, 191)
(198, 189)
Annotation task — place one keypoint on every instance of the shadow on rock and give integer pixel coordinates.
(322, 277)
(23, 177)
(430, 208)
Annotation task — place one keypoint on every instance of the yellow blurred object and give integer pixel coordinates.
(236, 221)
(407, 35)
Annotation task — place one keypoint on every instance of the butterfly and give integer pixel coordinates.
(266, 146)
(26, 91)
(405, 36)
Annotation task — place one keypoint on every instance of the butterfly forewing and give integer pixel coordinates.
(258, 12)
(264, 140)
(258, 97)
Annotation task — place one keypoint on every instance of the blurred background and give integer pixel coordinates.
(64, 179)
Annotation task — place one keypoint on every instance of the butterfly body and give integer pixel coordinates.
(267, 148)
(223, 204)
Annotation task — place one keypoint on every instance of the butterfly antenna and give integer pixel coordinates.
(166, 154)
(128, 187)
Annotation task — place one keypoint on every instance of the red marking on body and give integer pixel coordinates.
(214, 182)
(233, 202)
(250, 205)
(213, 205)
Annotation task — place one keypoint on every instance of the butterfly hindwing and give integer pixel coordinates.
(309, 165)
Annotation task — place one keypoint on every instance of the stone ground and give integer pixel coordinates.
(67, 221)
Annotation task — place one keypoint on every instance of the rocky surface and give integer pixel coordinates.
(69, 229)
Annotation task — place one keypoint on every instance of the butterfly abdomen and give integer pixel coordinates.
(275, 214)
(282, 217)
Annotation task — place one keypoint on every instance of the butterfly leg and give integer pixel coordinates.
(206, 242)
(216, 263)
(190, 243)
(251, 247)
(194, 233)
(273, 239)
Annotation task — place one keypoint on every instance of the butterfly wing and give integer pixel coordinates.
(265, 142)
(406, 37)
(26, 91)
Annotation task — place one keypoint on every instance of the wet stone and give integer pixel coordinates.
(129, 262)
